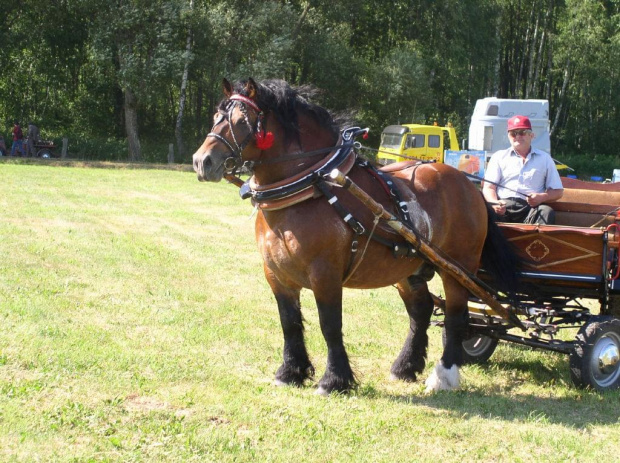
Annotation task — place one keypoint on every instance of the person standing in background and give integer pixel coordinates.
(33, 137)
(18, 139)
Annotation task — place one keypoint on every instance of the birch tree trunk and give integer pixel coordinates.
(178, 129)
(521, 79)
(532, 53)
(561, 99)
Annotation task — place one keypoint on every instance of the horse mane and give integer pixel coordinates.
(286, 102)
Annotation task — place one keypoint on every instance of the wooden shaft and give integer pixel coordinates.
(234, 180)
(433, 255)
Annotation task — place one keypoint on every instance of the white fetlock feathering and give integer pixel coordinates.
(443, 379)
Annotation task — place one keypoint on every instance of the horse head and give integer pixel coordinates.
(258, 121)
(237, 136)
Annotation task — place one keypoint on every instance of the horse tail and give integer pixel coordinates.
(499, 257)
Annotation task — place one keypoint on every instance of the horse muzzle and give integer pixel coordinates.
(206, 169)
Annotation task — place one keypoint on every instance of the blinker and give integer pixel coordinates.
(245, 191)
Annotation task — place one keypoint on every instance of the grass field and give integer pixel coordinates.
(136, 325)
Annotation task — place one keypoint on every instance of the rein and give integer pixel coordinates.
(477, 177)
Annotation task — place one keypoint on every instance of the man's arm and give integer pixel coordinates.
(549, 196)
(489, 191)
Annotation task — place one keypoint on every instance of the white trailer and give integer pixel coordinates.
(488, 128)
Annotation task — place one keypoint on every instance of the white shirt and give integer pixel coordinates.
(536, 175)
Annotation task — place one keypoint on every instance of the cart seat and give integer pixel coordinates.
(587, 204)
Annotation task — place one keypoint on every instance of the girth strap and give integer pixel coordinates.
(332, 199)
(390, 186)
(401, 249)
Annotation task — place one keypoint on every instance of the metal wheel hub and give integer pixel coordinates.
(477, 344)
(606, 360)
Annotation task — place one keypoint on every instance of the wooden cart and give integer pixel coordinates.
(565, 264)
(45, 149)
(570, 267)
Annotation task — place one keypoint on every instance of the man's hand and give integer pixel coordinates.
(489, 192)
(499, 207)
(536, 199)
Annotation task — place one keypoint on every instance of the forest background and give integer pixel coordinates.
(123, 79)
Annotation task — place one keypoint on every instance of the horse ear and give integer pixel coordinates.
(252, 88)
(228, 90)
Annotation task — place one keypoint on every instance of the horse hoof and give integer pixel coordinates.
(407, 379)
(322, 392)
(278, 383)
(443, 379)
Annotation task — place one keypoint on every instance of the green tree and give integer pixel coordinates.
(587, 58)
(140, 44)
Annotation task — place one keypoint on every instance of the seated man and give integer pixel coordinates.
(523, 178)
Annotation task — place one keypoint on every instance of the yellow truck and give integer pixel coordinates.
(416, 141)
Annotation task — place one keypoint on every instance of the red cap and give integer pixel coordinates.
(519, 122)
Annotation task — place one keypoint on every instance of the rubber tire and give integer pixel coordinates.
(44, 153)
(600, 332)
(477, 349)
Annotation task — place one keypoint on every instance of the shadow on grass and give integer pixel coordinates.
(538, 391)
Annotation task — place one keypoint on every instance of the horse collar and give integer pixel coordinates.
(300, 186)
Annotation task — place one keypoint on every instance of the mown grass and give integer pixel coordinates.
(137, 326)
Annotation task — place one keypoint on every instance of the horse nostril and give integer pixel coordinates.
(202, 165)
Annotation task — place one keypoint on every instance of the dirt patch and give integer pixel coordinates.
(139, 403)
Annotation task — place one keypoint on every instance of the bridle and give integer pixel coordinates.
(235, 160)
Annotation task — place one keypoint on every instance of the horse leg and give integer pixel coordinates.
(419, 304)
(338, 374)
(446, 375)
(296, 367)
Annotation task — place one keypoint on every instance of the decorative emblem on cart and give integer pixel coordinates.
(555, 250)
(537, 250)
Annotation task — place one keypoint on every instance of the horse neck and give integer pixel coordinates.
(312, 137)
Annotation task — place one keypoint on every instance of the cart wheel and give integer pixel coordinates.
(595, 360)
(44, 153)
(477, 349)
(613, 308)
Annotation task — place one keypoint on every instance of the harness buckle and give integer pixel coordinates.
(230, 163)
(357, 227)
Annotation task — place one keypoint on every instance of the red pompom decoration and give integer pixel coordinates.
(264, 140)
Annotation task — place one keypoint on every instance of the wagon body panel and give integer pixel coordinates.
(560, 259)
(563, 265)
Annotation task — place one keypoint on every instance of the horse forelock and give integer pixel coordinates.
(286, 103)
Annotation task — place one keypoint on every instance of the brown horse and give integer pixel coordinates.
(312, 235)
